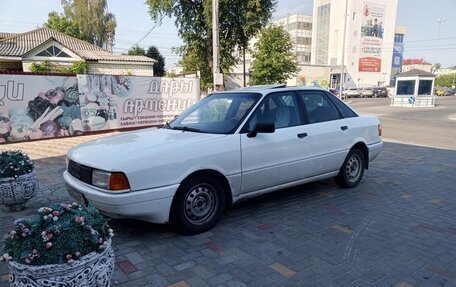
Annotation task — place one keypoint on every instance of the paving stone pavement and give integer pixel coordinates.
(397, 228)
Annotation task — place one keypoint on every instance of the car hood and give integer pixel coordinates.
(111, 153)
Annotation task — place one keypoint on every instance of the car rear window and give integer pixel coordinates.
(344, 109)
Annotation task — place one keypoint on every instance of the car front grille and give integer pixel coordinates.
(81, 172)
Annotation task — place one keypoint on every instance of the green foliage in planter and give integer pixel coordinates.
(14, 163)
(59, 234)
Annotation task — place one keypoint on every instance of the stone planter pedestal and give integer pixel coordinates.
(15, 192)
(91, 270)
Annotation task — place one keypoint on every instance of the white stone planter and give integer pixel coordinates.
(91, 270)
(15, 192)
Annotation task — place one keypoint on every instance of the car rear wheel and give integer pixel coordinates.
(198, 205)
(352, 170)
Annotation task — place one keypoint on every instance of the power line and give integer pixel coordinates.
(148, 32)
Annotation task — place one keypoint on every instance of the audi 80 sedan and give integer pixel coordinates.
(227, 147)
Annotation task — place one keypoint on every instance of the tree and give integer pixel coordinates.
(159, 66)
(194, 24)
(251, 17)
(152, 52)
(136, 51)
(62, 24)
(87, 20)
(445, 80)
(274, 61)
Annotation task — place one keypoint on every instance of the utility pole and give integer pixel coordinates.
(215, 44)
(342, 70)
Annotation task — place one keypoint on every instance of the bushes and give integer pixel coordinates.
(79, 67)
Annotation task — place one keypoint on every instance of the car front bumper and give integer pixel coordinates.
(151, 205)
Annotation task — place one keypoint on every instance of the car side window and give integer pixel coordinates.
(280, 108)
(319, 108)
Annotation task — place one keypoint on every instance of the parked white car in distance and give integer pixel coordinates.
(229, 146)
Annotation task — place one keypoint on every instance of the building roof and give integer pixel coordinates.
(407, 62)
(416, 73)
(4, 35)
(17, 45)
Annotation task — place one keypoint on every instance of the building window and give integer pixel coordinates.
(425, 87)
(398, 38)
(304, 26)
(304, 41)
(322, 42)
(53, 51)
(406, 87)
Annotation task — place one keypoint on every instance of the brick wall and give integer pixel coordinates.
(120, 69)
(8, 66)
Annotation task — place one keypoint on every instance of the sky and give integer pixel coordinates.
(420, 17)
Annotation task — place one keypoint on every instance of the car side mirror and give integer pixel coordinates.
(262, 127)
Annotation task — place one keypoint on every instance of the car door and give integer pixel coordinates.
(271, 159)
(328, 132)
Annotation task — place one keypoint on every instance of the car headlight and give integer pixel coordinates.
(115, 181)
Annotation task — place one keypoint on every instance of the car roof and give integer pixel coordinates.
(268, 89)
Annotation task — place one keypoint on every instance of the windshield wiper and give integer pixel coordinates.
(187, 129)
(166, 126)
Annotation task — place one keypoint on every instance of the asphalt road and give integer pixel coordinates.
(431, 127)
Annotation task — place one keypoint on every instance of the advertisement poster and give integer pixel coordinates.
(35, 107)
(314, 76)
(371, 37)
(116, 102)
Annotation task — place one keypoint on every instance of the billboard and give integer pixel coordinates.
(398, 55)
(371, 37)
(117, 102)
(35, 107)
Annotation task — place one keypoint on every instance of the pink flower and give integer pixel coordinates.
(50, 235)
(71, 261)
(77, 254)
(55, 212)
(48, 245)
(79, 219)
(68, 257)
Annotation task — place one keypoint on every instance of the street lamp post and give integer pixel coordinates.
(440, 20)
(342, 68)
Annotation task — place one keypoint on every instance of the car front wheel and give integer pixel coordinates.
(352, 170)
(198, 205)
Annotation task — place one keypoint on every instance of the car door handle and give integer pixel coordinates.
(303, 135)
(343, 128)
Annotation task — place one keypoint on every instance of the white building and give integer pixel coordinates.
(299, 26)
(369, 40)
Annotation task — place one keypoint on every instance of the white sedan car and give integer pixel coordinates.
(228, 147)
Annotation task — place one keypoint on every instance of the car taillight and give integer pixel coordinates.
(380, 130)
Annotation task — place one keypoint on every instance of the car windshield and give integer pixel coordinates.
(218, 113)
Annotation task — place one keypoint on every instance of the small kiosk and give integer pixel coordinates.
(414, 88)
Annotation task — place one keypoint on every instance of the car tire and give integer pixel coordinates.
(198, 205)
(352, 170)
